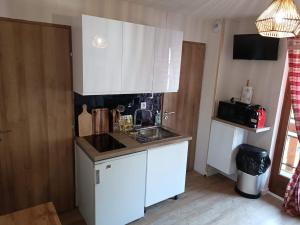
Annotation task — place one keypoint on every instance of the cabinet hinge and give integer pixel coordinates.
(71, 54)
(97, 176)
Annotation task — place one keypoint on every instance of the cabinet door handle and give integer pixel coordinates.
(97, 176)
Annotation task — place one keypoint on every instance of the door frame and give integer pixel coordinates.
(278, 182)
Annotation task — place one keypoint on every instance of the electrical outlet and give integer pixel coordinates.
(143, 105)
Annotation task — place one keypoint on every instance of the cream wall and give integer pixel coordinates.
(265, 77)
(268, 79)
(62, 11)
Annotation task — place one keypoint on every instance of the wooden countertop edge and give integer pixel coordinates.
(254, 130)
(95, 156)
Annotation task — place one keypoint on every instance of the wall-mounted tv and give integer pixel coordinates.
(255, 47)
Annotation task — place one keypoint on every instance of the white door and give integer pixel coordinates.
(167, 60)
(166, 172)
(102, 41)
(120, 189)
(138, 58)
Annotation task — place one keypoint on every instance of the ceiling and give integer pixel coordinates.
(211, 8)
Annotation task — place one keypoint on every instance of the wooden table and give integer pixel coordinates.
(44, 214)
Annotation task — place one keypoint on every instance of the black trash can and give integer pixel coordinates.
(252, 163)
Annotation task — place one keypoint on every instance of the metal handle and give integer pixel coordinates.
(97, 176)
(166, 114)
(5, 131)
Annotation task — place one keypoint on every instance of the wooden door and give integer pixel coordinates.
(186, 102)
(36, 157)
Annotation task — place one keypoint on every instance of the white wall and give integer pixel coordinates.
(266, 77)
(213, 48)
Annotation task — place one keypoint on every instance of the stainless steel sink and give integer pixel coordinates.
(149, 134)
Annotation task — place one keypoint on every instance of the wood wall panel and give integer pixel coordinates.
(36, 157)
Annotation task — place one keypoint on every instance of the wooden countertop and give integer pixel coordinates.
(132, 146)
(44, 214)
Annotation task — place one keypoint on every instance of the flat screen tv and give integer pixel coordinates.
(255, 47)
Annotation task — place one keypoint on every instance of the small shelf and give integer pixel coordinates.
(254, 130)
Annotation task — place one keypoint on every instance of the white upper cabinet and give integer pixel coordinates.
(99, 69)
(138, 58)
(167, 60)
(113, 57)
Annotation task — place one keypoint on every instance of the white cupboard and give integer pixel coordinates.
(113, 57)
(138, 58)
(166, 172)
(97, 55)
(223, 146)
(168, 48)
(111, 192)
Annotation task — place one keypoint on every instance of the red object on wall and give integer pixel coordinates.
(261, 118)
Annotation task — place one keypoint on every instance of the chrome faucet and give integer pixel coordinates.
(135, 114)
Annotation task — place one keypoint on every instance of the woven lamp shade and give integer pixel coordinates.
(280, 20)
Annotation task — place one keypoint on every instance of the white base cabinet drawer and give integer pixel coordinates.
(166, 172)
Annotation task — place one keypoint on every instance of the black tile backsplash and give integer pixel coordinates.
(130, 101)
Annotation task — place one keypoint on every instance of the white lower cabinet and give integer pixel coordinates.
(223, 146)
(111, 192)
(166, 172)
(115, 191)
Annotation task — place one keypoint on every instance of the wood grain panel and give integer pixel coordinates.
(186, 102)
(44, 214)
(36, 106)
(279, 183)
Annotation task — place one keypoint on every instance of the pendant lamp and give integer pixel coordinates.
(280, 20)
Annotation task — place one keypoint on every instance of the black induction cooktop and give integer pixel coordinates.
(104, 142)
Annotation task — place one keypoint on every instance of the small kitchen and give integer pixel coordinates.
(125, 160)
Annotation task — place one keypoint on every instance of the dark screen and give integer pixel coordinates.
(255, 46)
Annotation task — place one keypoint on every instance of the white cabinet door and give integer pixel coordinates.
(138, 58)
(120, 189)
(223, 146)
(102, 55)
(166, 172)
(168, 48)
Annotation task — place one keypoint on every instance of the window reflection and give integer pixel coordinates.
(99, 42)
